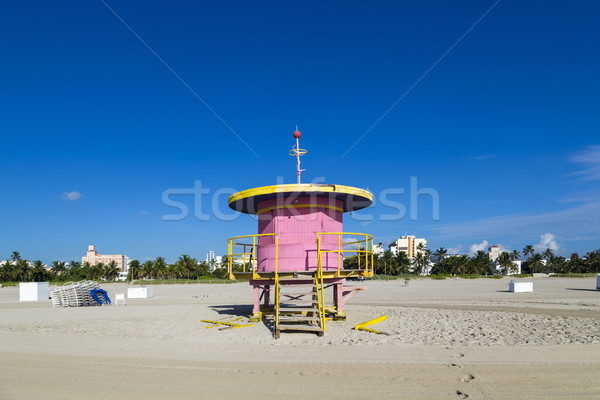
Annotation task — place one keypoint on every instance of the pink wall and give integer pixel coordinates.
(296, 228)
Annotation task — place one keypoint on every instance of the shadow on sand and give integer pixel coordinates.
(238, 310)
(584, 290)
(241, 310)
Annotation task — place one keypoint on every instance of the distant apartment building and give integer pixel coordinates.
(516, 269)
(210, 256)
(408, 244)
(94, 258)
(378, 249)
(494, 252)
(213, 261)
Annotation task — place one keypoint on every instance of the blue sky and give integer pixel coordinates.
(103, 111)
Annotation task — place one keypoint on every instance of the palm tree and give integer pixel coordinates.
(548, 255)
(58, 267)
(6, 272)
(426, 260)
(388, 262)
(111, 271)
(528, 250)
(187, 264)
(418, 264)
(575, 263)
(160, 267)
(22, 267)
(441, 256)
(402, 262)
(504, 260)
(147, 269)
(15, 256)
(592, 261)
(96, 271)
(514, 256)
(85, 270)
(38, 271)
(74, 264)
(535, 262)
(134, 270)
(480, 263)
(458, 264)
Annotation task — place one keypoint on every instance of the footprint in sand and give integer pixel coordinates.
(461, 395)
(468, 378)
(454, 366)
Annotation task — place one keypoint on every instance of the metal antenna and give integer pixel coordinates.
(297, 152)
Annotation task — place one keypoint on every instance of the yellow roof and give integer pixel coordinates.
(352, 198)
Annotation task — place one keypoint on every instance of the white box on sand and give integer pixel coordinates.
(139, 293)
(598, 282)
(519, 287)
(33, 291)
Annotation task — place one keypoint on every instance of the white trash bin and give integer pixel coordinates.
(520, 287)
(33, 291)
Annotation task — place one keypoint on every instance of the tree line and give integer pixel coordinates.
(480, 263)
(16, 269)
(19, 270)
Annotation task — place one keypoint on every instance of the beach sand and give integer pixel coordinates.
(448, 339)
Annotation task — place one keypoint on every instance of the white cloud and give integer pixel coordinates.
(475, 247)
(590, 159)
(455, 250)
(144, 212)
(483, 157)
(504, 249)
(547, 241)
(71, 196)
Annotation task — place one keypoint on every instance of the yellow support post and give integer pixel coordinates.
(231, 324)
(363, 326)
(372, 263)
(339, 252)
(253, 262)
(276, 287)
(229, 263)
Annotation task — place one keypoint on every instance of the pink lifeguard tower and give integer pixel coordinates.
(300, 245)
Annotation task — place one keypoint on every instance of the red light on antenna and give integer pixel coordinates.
(297, 134)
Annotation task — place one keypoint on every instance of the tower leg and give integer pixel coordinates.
(256, 314)
(266, 296)
(338, 301)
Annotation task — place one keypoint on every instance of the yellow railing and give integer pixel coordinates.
(242, 251)
(245, 252)
(363, 250)
(319, 285)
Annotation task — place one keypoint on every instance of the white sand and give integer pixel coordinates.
(447, 339)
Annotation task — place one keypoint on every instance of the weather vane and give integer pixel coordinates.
(296, 151)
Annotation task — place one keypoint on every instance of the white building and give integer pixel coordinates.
(515, 270)
(408, 244)
(213, 261)
(378, 249)
(94, 258)
(494, 252)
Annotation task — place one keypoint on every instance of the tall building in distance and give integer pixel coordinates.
(94, 258)
(213, 261)
(494, 252)
(408, 244)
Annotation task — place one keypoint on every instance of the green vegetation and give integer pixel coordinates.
(386, 266)
(185, 270)
(202, 279)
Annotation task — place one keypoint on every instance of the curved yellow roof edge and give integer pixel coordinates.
(302, 187)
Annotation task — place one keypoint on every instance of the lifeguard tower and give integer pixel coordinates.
(299, 250)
